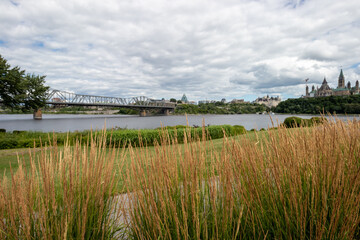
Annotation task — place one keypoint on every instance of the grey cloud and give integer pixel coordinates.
(165, 48)
(269, 77)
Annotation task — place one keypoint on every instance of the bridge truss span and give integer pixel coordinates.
(57, 97)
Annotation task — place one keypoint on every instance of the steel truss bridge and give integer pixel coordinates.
(57, 97)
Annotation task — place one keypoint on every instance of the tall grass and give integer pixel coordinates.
(68, 196)
(301, 183)
(293, 184)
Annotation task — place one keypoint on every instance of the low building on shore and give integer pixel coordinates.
(268, 101)
(206, 101)
(238, 101)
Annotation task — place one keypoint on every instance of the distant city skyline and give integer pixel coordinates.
(162, 49)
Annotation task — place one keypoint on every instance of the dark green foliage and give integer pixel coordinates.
(25, 139)
(28, 143)
(73, 109)
(317, 120)
(292, 122)
(35, 91)
(332, 104)
(174, 127)
(8, 143)
(119, 137)
(238, 129)
(2, 130)
(187, 108)
(11, 84)
(19, 91)
(18, 132)
(128, 111)
(150, 136)
(221, 108)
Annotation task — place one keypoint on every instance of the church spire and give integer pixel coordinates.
(341, 74)
(341, 82)
(324, 82)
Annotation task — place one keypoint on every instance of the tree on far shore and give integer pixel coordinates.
(20, 91)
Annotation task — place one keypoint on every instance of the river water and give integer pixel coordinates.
(78, 122)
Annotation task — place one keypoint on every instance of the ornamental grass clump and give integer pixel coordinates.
(301, 183)
(66, 194)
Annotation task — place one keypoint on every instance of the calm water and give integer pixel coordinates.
(73, 122)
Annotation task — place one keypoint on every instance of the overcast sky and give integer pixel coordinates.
(162, 49)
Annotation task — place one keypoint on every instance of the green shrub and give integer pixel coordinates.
(238, 129)
(8, 143)
(28, 143)
(149, 136)
(291, 122)
(318, 120)
(18, 132)
(2, 130)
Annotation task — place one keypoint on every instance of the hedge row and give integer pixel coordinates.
(149, 137)
(24, 139)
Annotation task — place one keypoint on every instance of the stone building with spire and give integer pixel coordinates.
(341, 89)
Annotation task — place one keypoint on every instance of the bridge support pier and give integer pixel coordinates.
(166, 112)
(37, 114)
(143, 113)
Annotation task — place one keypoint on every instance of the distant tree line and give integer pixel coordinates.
(220, 108)
(331, 104)
(20, 91)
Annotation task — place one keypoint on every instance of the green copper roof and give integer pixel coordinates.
(340, 89)
(184, 98)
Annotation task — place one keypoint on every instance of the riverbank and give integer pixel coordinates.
(124, 137)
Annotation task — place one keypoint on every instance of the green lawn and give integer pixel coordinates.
(11, 157)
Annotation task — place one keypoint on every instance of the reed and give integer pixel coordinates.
(299, 183)
(66, 193)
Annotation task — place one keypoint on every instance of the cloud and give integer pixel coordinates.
(322, 51)
(206, 49)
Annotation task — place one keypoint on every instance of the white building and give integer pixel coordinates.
(268, 101)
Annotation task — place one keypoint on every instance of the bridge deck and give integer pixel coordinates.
(57, 97)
